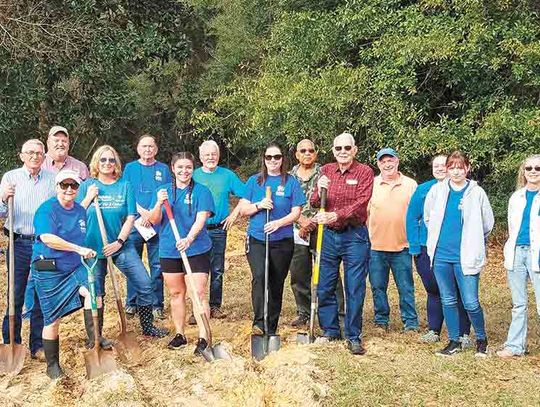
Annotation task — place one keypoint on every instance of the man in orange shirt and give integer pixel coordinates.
(392, 192)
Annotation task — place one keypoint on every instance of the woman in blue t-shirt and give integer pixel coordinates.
(458, 218)
(521, 253)
(192, 205)
(59, 277)
(285, 205)
(117, 204)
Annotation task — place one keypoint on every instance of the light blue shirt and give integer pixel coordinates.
(30, 193)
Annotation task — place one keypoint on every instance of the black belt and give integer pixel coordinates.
(215, 226)
(20, 236)
(346, 228)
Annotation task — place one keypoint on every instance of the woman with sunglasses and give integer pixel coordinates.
(59, 277)
(192, 204)
(285, 206)
(521, 253)
(117, 204)
(459, 218)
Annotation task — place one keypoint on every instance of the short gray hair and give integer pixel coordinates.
(208, 143)
(32, 141)
(348, 135)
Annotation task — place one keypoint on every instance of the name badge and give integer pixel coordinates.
(351, 182)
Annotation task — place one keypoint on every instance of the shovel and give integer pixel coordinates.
(127, 346)
(98, 361)
(262, 345)
(212, 352)
(303, 337)
(11, 355)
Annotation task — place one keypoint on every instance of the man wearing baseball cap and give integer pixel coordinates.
(392, 192)
(57, 157)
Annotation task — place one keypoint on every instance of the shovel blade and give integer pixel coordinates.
(98, 362)
(302, 338)
(127, 347)
(220, 352)
(259, 346)
(274, 343)
(12, 358)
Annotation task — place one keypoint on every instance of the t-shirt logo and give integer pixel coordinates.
(280, 191)
(187, 199)
(159, 176)
(82, 225)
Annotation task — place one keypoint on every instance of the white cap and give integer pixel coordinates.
(68, 174)
(58, 129)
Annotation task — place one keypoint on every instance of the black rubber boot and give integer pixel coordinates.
(146, 316)
(52, 356)
(89, 325)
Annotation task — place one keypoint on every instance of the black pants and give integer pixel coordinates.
(280, 256)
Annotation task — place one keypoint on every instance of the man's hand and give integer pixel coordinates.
(8, 191)
(325, 218)
(323, 182)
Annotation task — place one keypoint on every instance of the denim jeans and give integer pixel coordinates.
(435, 315)
(517, 281)
(152, 248)
(380, 264)
(352, 247)
(450, 277)
(23, 257)
(217, 266)
(128, 262)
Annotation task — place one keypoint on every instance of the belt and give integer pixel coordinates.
(20, 236)
(214, 226)
(342, 230)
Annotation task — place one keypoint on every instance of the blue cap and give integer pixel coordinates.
(386, 151)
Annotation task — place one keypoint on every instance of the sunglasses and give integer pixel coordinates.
(307, 150)
(65, 185)
(110, 160)
(346, 148)
(530, 168)
(275, 157)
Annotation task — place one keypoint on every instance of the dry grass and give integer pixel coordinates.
(397, 370)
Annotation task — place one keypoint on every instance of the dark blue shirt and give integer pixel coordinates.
(523, 237)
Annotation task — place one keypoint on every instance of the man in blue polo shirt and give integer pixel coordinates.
(145, 175)
(221, 182)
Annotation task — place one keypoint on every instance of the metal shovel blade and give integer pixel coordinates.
(302, 338)
(99, 361)
(262, 345)
(12, 358)
(220, 352)
(127, 347)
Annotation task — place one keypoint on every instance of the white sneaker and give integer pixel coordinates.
(430, 337)
(466, 342)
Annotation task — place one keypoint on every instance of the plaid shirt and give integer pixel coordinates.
(348, 194)
(308, 186)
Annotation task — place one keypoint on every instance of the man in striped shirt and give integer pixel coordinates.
(29, 186)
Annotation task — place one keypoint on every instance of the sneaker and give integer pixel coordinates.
(506, 354)
(326, 339)
(300, 321)
(192, 320)
(481, 348)
(466, 342)
(177, 342)
(201, 345)
(158, 314)
(410, 329)
(355, 347)
(451, 349)
(430, 337)
(256, 330)
(130, 311)
(217, 313)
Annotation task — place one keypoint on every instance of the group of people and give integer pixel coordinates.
(372, 225)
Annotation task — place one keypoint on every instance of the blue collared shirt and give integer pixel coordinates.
(30, 193)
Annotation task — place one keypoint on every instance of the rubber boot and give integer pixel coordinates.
(89, 325)
(52, 356)
(146, 317)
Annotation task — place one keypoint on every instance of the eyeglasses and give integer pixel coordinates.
(307, 150)
(275, 157)
(346, 148)
(31, 153)
(530, 168)
(110, 160)
(65, 185)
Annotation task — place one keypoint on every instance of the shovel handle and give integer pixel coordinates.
(11, 251)
(318, 247)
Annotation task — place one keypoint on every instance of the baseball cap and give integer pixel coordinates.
(58, 129)
(68, 174)
(386, 151)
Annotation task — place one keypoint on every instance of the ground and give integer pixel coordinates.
(397, 369)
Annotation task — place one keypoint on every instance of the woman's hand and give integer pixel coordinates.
(86, 252)
(111, 248)
(183, 244)
(272, 226)
(92, 192)
(162, 195)
(266, 203)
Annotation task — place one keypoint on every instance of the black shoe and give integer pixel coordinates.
(89, 325)
(355, 347)
(217, 313)
(481, 348)
(52, 355)
(146, 318)
(451, 349)
(201, 345)
(130, 311)
(177, 342)
(300, 321)
(192, 320)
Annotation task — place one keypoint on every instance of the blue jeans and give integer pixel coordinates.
(379, 273)
(23, 257)
(352, 247)
(128, 262)
(217, 266)
(450, 278)
(517, 281)
(152, 248)
(435, 315)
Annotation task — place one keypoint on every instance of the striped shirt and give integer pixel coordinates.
(70, 163)
(30, 193)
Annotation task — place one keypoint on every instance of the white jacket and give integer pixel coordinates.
(476, 218)
(516, 205)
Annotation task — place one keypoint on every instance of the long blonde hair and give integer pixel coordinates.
(94, 163)
(521, 180)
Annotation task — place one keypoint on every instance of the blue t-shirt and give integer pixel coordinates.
(201, 200)
(116, 202)
(145, 180)
(284, 198)
(68, 224)
(221, 183)
(523, 237)
(449, 244)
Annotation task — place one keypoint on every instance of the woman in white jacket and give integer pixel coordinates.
(521, 253)
(459, 218)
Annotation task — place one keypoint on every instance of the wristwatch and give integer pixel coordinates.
(121, 241)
